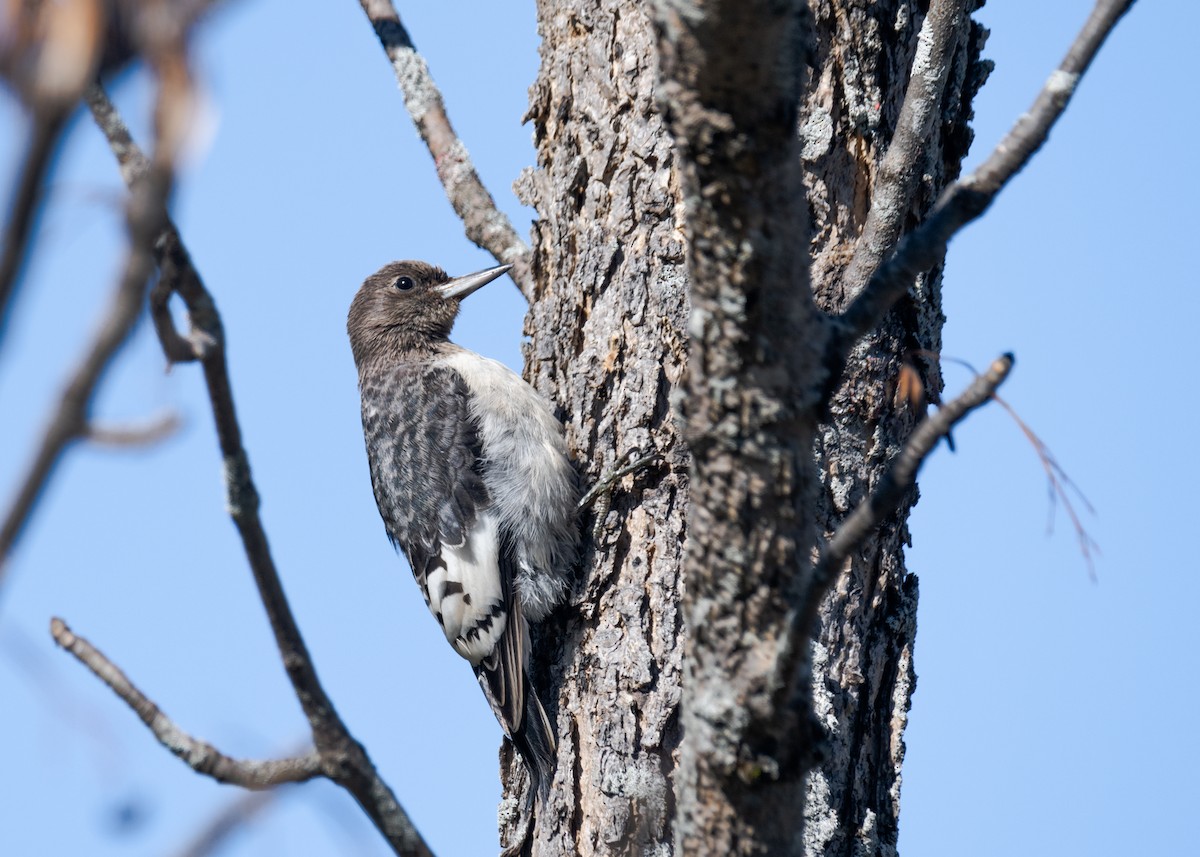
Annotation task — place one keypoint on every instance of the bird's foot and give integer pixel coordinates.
(599, 496)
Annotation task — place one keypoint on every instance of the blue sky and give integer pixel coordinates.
(1046, 704)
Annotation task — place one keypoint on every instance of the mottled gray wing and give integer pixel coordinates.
(425, 460)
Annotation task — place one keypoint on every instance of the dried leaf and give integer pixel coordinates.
(909, 388)
(71, 33)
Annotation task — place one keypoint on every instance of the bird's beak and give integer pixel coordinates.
(460, 287)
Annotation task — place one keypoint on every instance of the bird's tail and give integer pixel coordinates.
(505, 683)
(534, 740)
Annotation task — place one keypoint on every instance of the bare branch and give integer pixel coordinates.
(343, 759)
(45, 134)
(789, 679)
(162, 39)
(178, 275)
(486, 225)
(146, 433)
(48, 53)
(630, 462)
(240, 811)
(130, 159)
(69, 422)
(971, 195)
(901, 168)
(1060, 484)
(200, 756)
(901, 475)
(599, 496)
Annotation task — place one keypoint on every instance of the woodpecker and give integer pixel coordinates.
(473, 483)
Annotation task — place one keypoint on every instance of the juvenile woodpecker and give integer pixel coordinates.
(472, 480)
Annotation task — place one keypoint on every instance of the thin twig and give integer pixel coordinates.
(883, 501)
(146, 433)
(147, 209)
(343, 759)
(1061, 487)
(971, 195)
(599, 496)
(1060, 484)
(62, 698)
(200, 756)
(626, 465)
(485, 225)
(237, 813)
(44, 137)
(902, 165)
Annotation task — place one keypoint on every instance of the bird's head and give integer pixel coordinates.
(408, 305)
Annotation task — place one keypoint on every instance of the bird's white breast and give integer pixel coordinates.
(529, 478)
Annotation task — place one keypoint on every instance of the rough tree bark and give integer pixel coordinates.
(863, 676)
(609, 343)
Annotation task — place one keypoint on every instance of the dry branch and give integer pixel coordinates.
(971, 195)
(48, 53)
(343, 759)
(161, 37)
(486, 225)
(1061, 487)
(883, 501)
(200, 756)
(900, 170)
(70, 420)
(44, 136)
(244, 809)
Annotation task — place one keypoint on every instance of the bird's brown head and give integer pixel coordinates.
(408, 306)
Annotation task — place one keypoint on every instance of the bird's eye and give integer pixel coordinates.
(404, 284)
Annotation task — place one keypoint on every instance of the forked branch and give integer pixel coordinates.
(971, 195)
(44, 136)
(486, 225)
(69, 421)
(200, 756)
(341, 758)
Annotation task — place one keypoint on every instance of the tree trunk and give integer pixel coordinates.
(621, 190)
(863, 676)
(608, 344)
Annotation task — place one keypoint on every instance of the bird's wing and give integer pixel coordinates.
(425, 459)
(426, 465)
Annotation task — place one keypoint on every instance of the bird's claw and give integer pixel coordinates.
(599, 495)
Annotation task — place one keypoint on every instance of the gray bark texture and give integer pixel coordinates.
(704, 171)
(863, 676)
